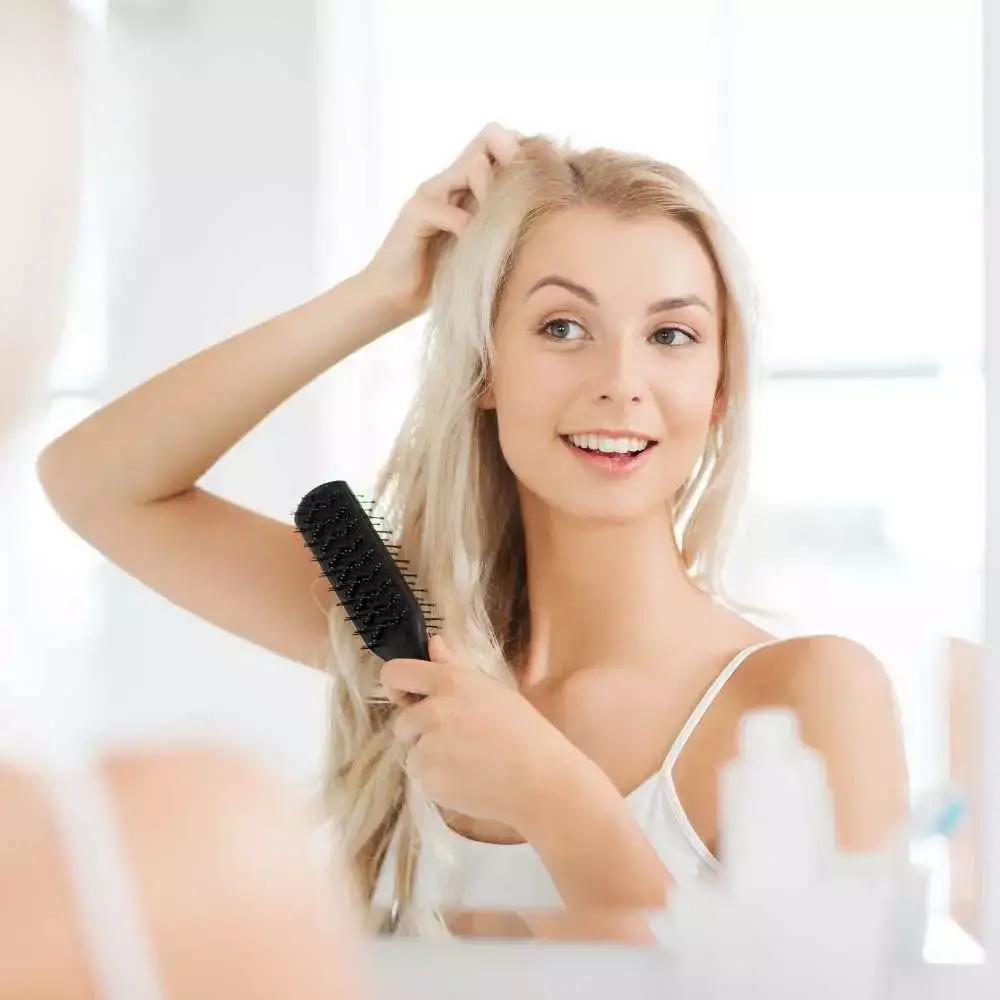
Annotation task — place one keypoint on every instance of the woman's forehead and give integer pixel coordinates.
(646, 260)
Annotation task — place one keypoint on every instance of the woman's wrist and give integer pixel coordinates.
(561, 790)
(591, 843)
(392, 308)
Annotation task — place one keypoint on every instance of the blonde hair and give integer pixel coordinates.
(450, 500)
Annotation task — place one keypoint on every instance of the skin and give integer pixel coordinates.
(617, 630)
(221, 870)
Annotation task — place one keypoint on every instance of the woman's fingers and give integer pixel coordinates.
(454, 181)
(434, 215)
(412, 677)
(480, 178)
(412, 722)
(405, 263)
(500, 143)
(473, 170)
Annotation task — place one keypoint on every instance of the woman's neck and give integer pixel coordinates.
(601, 594)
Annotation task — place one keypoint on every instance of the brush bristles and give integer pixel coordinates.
(356, 553)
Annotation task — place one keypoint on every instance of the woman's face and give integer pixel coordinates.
(607, 355)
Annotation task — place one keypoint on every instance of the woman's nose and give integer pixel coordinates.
(621, 378)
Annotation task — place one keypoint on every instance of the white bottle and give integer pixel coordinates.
(776, 828)
(778, 921)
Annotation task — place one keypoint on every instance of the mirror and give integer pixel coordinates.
(220, 197)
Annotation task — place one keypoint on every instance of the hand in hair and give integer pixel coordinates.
(478, 747)
(441, 207)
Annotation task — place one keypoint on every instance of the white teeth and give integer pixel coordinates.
(609, 445)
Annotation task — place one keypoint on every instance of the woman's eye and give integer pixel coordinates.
(672, 336)
(561, 329)
(668, 336)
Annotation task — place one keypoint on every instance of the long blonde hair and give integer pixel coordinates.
(450, 500)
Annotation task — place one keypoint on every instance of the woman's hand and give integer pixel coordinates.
(480, 748)
(403, 266)
(477, 747)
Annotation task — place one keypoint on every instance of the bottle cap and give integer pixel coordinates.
(769, 731)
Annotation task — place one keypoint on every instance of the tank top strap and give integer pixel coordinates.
(705, 702)
(108, 908)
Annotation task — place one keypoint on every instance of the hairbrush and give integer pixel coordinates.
(364, 570)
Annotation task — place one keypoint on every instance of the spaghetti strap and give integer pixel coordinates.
(706, 700)
(668, 790)
(115, 934)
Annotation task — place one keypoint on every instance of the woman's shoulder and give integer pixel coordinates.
(802, 670)
(218, 857)
(809, 673)
(846, 707)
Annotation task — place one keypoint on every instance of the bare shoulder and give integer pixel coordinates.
(846, 706)
(219, 857)
(807, 670)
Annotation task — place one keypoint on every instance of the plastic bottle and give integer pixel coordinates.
(776, 829)
(780, 919)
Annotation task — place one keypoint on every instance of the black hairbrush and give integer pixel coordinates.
(359, 564)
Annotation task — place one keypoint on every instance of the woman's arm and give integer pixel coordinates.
(592, 845)
(125, 478)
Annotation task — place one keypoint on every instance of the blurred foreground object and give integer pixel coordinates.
(230, 900)
(42, 47)
(232, 897)
(965, 665)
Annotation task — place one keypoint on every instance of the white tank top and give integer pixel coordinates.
(506, 876)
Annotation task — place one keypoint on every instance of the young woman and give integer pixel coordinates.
(562, 486)
(211, 852)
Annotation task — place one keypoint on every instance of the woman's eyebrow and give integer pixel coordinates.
(661, 305)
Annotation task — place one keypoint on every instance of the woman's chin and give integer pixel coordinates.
(604, 511)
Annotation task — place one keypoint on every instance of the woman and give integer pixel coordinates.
(182, 872)
(562, 487)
